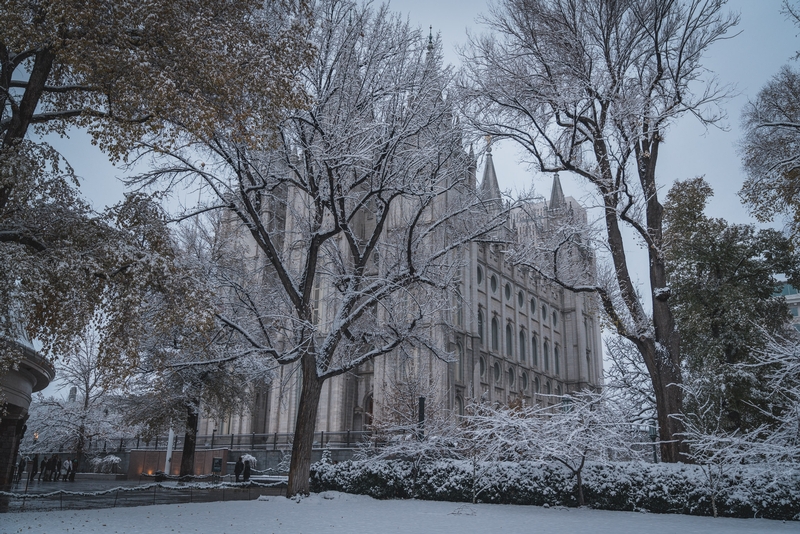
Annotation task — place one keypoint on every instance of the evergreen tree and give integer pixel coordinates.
(723, 279)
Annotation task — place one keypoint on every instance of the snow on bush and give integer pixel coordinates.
(658, 488)
(106, 464)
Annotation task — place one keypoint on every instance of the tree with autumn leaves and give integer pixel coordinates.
(124, 71)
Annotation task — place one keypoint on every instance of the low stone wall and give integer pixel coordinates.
(149, 461)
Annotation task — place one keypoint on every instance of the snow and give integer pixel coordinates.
(333, 512)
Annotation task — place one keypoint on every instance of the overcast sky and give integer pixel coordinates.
(765, 42)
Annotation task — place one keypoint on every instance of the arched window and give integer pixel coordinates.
(520, 299)
(510, 377)
(536, 384)
(482, 367)
(555, 318)
(556, 363)
(480, 326)
(480, 275)
(459, 406)
(524, 381)
(522, 345)
(533, 308)
(544, 313)
(497, 372)
(535, 350)
(546, 355)
(495, 334)
(509, 340)
(547, 390)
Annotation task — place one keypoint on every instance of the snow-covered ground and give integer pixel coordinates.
(333, 512)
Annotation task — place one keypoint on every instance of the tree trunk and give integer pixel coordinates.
(300, 466)
(189, 441)
(661, 349)
(79, 454)
(669, 399)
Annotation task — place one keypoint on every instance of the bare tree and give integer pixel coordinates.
(590, 88)
(354, 219)
(193, 365)
(714, 446)
(627, 383)
(582, 426)
(770, 150)
(86, 415)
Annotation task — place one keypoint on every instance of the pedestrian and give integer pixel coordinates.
(55, 464)
(237, 470)
(74, 468)
(34, 467)
(246, 472)
(42, 467)
(46, 468)
(20, 469)
(66, 467)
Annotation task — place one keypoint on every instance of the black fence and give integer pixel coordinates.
(143, 495)
(274, 441)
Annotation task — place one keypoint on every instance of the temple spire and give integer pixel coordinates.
(556, 194)
(490, 190)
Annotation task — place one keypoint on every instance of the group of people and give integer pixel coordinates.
(242, 469)
(49, 469)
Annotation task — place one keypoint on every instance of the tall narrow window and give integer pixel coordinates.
(495, 334)
(480, 326)
(556, 363)
(509, 340)
(459, 308)
(546, 355)
(522, 345)
(459, 361)
(535, 350)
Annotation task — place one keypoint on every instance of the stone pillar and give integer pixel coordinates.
(33, 373)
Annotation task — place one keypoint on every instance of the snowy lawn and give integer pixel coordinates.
(338, 512)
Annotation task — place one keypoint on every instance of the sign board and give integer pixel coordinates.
(216, 465)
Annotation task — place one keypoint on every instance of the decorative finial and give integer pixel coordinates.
(430, 39)
(488, 144)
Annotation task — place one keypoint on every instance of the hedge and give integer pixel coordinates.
(657, 488)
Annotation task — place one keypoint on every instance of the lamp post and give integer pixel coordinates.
(651, 429)
(421, 428)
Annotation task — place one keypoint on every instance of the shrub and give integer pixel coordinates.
(657, 488)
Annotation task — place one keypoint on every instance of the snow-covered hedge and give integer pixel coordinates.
(658, 488)
(106, 464)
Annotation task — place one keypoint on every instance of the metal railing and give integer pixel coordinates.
(273, 441)
(146, 494)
